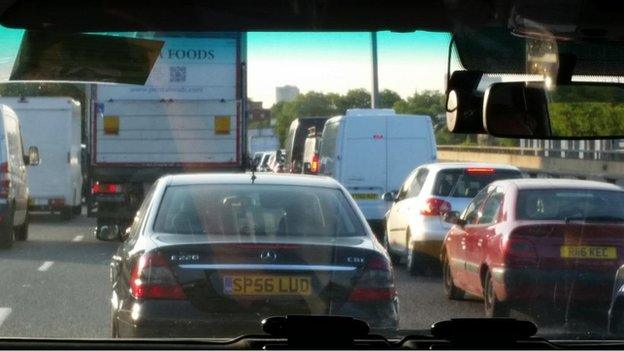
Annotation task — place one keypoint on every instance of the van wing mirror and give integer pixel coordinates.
(32, 159)
(389, 196)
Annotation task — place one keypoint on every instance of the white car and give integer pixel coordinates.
(415, 228)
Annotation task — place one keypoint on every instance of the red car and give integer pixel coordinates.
(519, 241)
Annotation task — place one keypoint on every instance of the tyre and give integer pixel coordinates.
(7, 236)
(493, 307)
(450, 290)
(66, 213)
(413, 261)
(114, 326)
(21, 232)
(616, 321)
(396, 259)
(77, 210)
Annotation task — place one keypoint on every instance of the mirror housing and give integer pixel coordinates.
(389, 196)
(453, 217)
(516, 109)
(32, 159)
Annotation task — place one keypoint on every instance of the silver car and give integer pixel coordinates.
(415, 228)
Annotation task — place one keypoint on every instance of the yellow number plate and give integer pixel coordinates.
(593, 252)
(365, 196)
(266, 285)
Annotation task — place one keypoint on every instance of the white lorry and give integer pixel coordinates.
(371, 151)
(53, 124)
(186, 118)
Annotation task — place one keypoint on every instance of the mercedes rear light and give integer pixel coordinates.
(106, 188)
(376, 282)
(435, 207)
(5, 183)
(152, 278)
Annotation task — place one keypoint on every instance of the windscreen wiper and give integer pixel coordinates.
(336, 332)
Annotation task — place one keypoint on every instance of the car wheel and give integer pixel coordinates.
(66, 213)
(450, 290)
(114, 326)
(396, 259)
(7, 237)
(493, 307)
(77, 210)
(21, 232)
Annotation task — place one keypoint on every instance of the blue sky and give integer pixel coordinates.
(338, 62)
(327, 62)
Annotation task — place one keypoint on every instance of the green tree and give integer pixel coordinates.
(429, 102)
(305, 105)
(387, 98)
(355, 98)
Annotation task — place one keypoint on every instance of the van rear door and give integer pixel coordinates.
(364, 157)
(409, 145)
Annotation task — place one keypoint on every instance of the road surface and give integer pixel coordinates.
(56, 285)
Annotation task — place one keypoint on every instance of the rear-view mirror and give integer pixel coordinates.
(533, 110)
(32, 159)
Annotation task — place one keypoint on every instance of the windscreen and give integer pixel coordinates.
(570, 204)
(249, 211)
(211, 102)
(468, 182)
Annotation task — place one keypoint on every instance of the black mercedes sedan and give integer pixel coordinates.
(214, 254)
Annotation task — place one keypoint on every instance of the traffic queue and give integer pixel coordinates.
(487, 229)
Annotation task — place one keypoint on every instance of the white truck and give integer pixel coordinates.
(186, 118)
(53, 124)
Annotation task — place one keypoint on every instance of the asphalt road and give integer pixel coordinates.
(56, 285)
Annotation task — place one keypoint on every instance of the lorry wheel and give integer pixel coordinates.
(66, 213)
(77, 210)
(21, 232)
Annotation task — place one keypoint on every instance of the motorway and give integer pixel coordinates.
(56, 285)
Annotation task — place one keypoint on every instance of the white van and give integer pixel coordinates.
(13, 179)
(53, 124)
(371, 151)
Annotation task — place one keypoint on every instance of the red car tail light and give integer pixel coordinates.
(520, 251)
(106, 188)
(376, 282)
(152, 278)
(435, 207)
(5, 183)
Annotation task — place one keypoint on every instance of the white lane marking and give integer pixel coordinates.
(45, 266)
(78, 238)
(4, 314)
